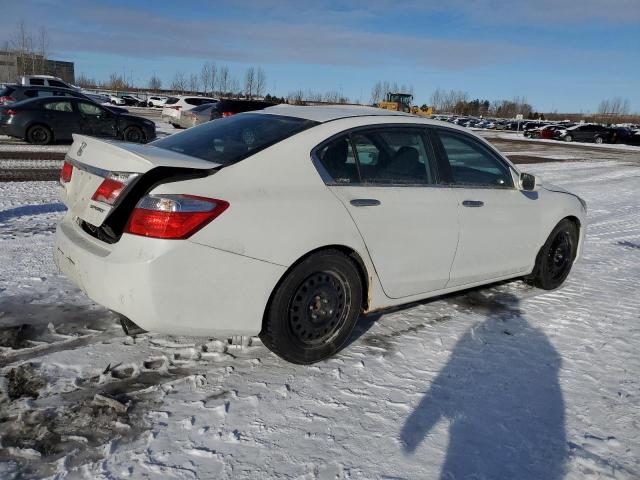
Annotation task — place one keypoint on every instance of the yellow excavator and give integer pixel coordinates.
(401, 102)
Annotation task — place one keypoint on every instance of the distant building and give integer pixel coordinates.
(15, 64)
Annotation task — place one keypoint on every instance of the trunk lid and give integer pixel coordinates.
(95, 160)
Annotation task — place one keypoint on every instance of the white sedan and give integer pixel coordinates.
(291, 222)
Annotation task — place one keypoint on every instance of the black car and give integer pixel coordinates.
(44, 120)
(587, 133)
(226, 108)
(14, 93)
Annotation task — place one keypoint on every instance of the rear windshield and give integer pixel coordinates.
(6, 91)
(201, 108)
(229, 140)
(172, 100)
(198, 101)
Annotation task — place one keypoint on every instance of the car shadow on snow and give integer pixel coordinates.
(500, 394)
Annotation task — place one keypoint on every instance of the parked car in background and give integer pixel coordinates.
(116, 100)
(175, 105)
(15, 93)
(588, 132)
(131, 100)
(196, 116)
(285, 223)
(45, 81)
(547, 132)
(45, 120)
(226, 108)
(156, 101)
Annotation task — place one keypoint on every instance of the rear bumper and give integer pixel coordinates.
(167, 286)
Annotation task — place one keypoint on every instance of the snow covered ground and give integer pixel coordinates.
(503, 382)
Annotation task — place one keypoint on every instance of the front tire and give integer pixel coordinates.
(313, 310)
(599, 140)
(39, 135)
(556, 257)
(568, 138)
(133, 135)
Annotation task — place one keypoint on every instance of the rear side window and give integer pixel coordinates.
(89, 108)
(232, 139)
(55, 83)
(36, 81)
(172, 100)
(339, 161)
(473, 164)
(59, 106)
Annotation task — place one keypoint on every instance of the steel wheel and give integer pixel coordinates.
(39, 135)
(559, 256)
(134, 135)
(319, 308)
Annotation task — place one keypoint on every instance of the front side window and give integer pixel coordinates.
(473, 164)
(89, 108)
(55, 83)
(381, 156)
(231, 139)
(59, 106)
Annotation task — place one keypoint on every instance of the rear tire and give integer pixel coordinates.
(599, 140)
(556, 257)
(568, 138)
(39, 135)
(313, 310)
(133, 135)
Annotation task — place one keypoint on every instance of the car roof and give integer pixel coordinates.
(327, 113)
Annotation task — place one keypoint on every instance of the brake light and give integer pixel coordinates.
(11, 112)
(227, 114)
(66, 172)
(173, 216)
(112, 186)
(6, 99)
(176, 107)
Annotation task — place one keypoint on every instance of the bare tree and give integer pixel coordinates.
(205, 77)
(249, 81)
(116, 82)
(179, 83)
(260, 82)
(85, 82)
(155, 83)
(194, 82)
(223, 80)
(213, 74)
(377, 94)
(296, 98)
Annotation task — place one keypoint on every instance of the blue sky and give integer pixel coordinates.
(560, 55)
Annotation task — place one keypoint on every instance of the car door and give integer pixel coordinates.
(499, 223)
(97, 121)
(61, 118)
(386, 178)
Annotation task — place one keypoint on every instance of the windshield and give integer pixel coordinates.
(228, 140)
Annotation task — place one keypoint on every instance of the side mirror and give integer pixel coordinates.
(528, 182)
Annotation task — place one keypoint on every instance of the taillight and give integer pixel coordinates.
(66, 172)
(11, 112)
(173, 216)
(176, 107)
(112, 186)
(227, 114)
(6, 99)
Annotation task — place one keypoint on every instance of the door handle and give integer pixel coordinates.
(473, 203)
(364, 202)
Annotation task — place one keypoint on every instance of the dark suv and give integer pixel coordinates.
(587, 133)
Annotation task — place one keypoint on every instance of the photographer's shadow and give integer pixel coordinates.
(500, 394)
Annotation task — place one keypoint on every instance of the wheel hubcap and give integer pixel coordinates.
(39, 135)
(319, 308)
